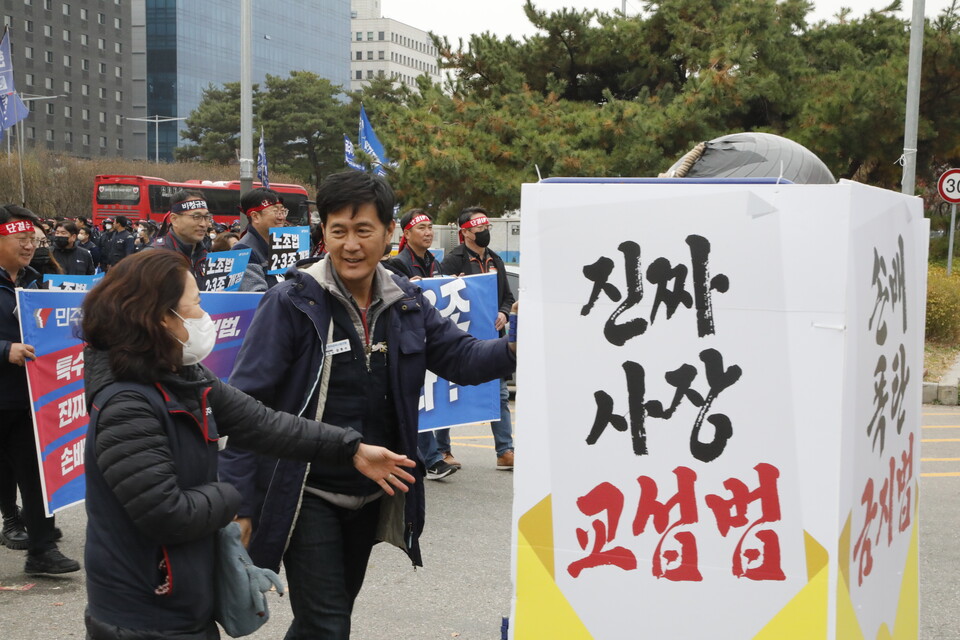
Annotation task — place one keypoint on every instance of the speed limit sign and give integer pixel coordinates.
(949, 186)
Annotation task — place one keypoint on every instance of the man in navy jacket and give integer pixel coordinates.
(345, 340)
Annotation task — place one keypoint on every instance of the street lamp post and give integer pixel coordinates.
(156, 120)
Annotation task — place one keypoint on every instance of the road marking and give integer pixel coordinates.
(956, 413)
(941, 426)
(939, 459)
(940, 440)
(474, 446)
(458, 438)
(952, 474)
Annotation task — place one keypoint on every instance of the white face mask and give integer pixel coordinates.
(201, 338)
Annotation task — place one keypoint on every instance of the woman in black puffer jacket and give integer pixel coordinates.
(153, 500)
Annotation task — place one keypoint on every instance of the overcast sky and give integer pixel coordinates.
(460, 18)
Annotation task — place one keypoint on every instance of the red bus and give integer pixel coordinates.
(146, 198)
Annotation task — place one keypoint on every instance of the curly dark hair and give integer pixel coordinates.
(122, 314)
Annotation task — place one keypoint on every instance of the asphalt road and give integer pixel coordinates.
(465, 588)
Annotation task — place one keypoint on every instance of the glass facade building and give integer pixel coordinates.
(192, 45)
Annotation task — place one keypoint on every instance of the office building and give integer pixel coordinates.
(382, 47)
(71, 63)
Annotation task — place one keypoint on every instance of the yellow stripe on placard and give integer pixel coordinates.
(940, 440)
(805, 616)
(941, 426)
(945, 474)
(939, 459)
(542, 609)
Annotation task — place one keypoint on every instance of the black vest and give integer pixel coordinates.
(359, 397)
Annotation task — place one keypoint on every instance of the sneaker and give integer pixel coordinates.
(450, 460)
(439, 470)
(505, 462)
(14, 533)
(50, 561)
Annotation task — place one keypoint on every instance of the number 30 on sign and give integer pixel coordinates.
(949, 186)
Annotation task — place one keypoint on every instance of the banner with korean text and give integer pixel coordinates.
(721, 400)
(49, 321)
(470, 302)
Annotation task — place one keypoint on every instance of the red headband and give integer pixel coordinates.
(475, 222)
(16, 226)
(264, 204)
(417, 219)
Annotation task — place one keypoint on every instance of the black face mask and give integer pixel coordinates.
(482, 238)
(41, 258)
(61, 242)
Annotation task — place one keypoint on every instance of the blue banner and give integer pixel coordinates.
(224, 270)
(49, 321)
(287, 246)
(371, 144)
(263, 175)
(471, 302)
(12, 110)
(350, 154)
(6, 65)
(72, 283)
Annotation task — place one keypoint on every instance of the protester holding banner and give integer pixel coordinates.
(17, 443)
(474, 256)
(153, 500)
(415, 261)
(264, 209)
(344, 339)
(75, 260)
(185, 228)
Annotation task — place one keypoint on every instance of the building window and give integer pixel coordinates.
(359, 55)
(118, 72)
(47, 31)
(84, 39)
(28, 26)
(119, 143)
(83, 14)
(84, 91)
(369, 35)
(28, 52)
(85, 113)
(68, 112)
(359, 75)
(118, 120)
(48, 4)
(369, 74)
(66, 9)
(49, 108)
(85, 64)
(103, 117)
(101, 44)
(102, 92)
(103, 142)
(359, 36)
(68, 137)
(7, 20)
(28, 78)
(48, 56)
(116, 23)
(66, 35)
(48, 83)
(101, 19)
(117, 47)
(85, 139)
(67, 60)
(379, 55)
(102, 67)
(31, 132)
(369, 55)
(119, 96)
(67, 86)
(49, 135)
(380, 35)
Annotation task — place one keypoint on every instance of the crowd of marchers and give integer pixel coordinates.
(323, 457)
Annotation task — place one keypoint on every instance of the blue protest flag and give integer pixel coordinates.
(263, 175)
(371, 144)
(6, 65)
(12, 110)
(349, 154)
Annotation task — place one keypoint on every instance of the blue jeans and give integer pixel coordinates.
(503, 428)
(429, 451)
(326, 563)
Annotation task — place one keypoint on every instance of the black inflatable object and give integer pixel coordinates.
(757, 155)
